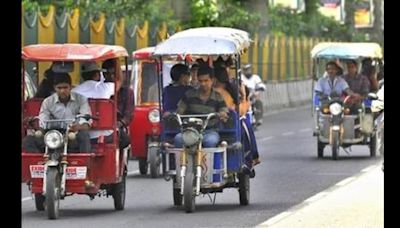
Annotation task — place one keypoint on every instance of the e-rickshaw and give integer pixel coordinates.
(335, 125)
(194, 169)
(57, 173)
(145, 125)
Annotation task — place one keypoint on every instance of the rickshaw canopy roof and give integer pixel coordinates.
(143, 53)
(72, 52)
(346, 50)
(205, 41)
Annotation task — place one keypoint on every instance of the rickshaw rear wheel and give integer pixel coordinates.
(143, 165)
(52, 192)
(372, 145)
(335, 145)
(320, 148)
(189, 197)
(244, 189)
(155, 161)
(40, 200)
(118, 194)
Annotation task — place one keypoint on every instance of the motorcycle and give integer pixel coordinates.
(377, 107)
(256, 105)
(57, 134)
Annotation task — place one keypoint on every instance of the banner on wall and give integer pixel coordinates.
(363, 15)
(297, 5)
(333, 8)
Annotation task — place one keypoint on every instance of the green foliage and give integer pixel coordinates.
(228, 13)
(285, 21)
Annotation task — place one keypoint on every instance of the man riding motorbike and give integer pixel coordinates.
(255, 85)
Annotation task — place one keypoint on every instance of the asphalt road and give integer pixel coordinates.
(289, 173)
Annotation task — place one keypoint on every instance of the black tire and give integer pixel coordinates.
(155, 161)
(244, 189)
(189, 198)
(177, 197)
(372, 145)
(143, 165)
(118, 194)
(320, 149)
(53, 181)
(335, 145)
(40, 201)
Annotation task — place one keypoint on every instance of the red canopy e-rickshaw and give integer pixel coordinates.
(145, 125)
(100, 172)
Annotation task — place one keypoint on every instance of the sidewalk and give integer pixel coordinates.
(354, 202)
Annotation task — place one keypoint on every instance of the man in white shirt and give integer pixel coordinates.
(255, 85)
(95, 87)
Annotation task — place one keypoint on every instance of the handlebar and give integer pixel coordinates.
(207, 116)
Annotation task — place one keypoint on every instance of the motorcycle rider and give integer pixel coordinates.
(255, 85)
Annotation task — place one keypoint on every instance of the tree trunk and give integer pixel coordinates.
(349, 9)
(261, 7)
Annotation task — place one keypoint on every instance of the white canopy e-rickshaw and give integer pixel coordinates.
(194, 169)
(335, 125)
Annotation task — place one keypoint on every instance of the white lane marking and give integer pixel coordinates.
(288, 133)
(133, 172)
(305, 129)
(368, 168)
(316, 197)
(26, 198)
(266, 138)
(345, 181)
(274, 219)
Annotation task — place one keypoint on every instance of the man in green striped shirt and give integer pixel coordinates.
(203, 100)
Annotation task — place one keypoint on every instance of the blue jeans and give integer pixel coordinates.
(210, 139)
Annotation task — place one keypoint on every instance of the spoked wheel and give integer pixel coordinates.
(143, 166)
(335, 145)
(155, 161)
(244, 189)
(189, 197)
(373, 145)
(320, 148)
(53, 181)
(118, 194)
(40, 201)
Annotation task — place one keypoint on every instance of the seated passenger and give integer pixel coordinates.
(180, 76)
(93, 87)
(230, 95)
(203, 100)
(331, 85)
(46, 87)
(63, 104)
(358, 83)
(125, 101)
(369, 71)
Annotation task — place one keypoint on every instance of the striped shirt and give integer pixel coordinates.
(192, 104)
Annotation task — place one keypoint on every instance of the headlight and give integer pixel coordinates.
(154, 116)
(335, 108)
(53, 139)
(190, 137)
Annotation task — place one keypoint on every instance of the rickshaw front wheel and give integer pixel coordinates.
(40, 201)
(53, 181)
(189, 197)
(335, 145)
(155, 161)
